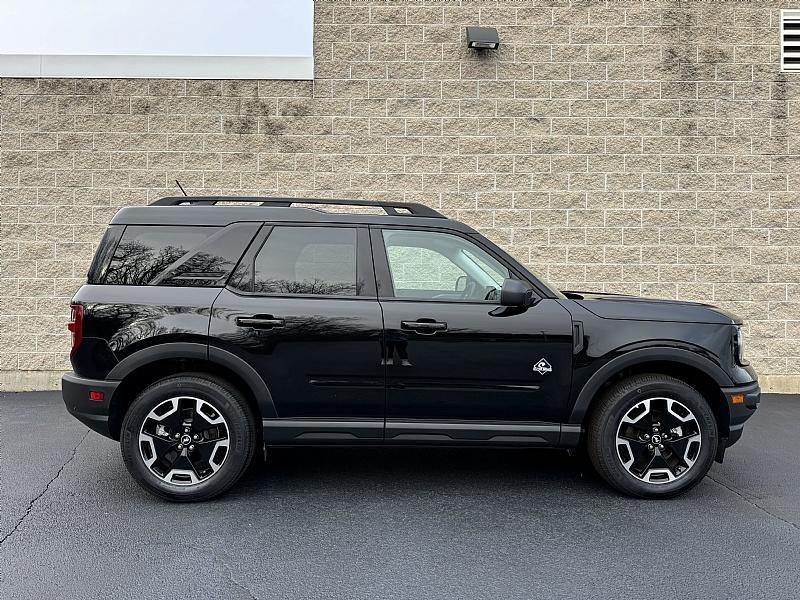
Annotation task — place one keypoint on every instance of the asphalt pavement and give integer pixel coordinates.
(383, 523)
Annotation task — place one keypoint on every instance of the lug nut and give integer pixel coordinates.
(186, 430)
(655, 429)
(661, 446)
(647, 436)
(650, 447)
(191, 447)
(196, 437)
(177, 435)
(180, 446)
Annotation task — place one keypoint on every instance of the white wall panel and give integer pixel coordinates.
(237, 39)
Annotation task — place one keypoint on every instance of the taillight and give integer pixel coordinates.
(75, 325)
(738, 347)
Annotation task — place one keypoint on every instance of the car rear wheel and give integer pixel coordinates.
(652, 436)
(188, 437)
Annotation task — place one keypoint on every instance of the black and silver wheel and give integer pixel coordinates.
(188, 437)
(652, 436)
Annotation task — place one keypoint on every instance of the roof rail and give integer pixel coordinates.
(399, 209)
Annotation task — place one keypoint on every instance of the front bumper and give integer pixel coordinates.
(740, 411)
(93, 413)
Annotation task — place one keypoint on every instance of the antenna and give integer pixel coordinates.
(180, 186)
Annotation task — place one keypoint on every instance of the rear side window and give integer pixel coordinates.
(210, 263)
(104, 253)
(307, 260)
(145, 252)
(178, 256)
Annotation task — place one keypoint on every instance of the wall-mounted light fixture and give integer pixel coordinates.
(483, 38)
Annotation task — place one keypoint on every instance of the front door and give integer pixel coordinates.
(301, 309)
(458, 365)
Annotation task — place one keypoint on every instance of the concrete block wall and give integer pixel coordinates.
(640, 147)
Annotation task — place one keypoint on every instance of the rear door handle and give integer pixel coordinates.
(260, 322)
(424, 327)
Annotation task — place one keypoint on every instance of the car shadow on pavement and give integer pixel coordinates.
(404, 470)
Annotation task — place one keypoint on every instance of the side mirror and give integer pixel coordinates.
(461, 284)
(516, 293)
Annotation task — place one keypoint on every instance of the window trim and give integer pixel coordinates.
(364, 265)
(383, 273)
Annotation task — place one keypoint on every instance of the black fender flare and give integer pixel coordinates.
(171, 350)
(642, 355)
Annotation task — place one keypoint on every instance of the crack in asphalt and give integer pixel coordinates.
(38, 497)
(754, 504)
(228, 571)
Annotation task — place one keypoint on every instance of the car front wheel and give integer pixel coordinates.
(188, 437)
(652, 436)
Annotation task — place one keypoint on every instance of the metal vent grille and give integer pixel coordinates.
(790, 40)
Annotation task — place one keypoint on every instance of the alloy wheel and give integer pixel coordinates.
(184, 440)
(658, 440)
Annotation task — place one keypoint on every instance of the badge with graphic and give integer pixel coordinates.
(542, 367)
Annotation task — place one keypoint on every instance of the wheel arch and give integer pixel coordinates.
(691, 368)
(147, 366)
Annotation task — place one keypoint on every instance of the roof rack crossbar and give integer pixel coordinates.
(399, 209)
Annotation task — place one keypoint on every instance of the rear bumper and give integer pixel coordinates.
(741, 411)
(93, 413)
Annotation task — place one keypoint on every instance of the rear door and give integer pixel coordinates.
(459, 366)
(301, 308)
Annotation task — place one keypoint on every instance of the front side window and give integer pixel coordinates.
(433, 265)
(307, 260)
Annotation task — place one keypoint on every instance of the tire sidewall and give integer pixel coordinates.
(676, 390)
(223, 400)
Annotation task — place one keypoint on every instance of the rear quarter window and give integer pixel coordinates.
(178, 256)
(145, 252)
(104, 253)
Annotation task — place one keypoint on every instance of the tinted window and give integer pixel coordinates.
(308, 260)
(441, 266)
(210, 263)
(145, 252)
(104, 253)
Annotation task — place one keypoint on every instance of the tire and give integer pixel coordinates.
(202, 463)
(636, 413)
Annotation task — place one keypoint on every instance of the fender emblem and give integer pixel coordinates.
(542, 367)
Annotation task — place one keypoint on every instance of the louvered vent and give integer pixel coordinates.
(790, 40)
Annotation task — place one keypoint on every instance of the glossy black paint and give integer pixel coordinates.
(617, 306)
(126, 319)
(482, 366)
(707, 335)
(323, 362)
(372, 368)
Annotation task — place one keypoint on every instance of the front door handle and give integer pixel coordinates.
(424, 327)
(260, 322)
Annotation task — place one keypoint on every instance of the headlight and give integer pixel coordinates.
(738, 347)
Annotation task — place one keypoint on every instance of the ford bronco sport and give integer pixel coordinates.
(212, 328)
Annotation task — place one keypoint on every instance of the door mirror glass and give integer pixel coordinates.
(516, 293)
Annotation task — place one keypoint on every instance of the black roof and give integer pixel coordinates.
(217, 210)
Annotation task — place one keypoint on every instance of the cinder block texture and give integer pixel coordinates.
(641, 147)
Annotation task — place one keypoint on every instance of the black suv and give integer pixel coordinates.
(211, 328)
